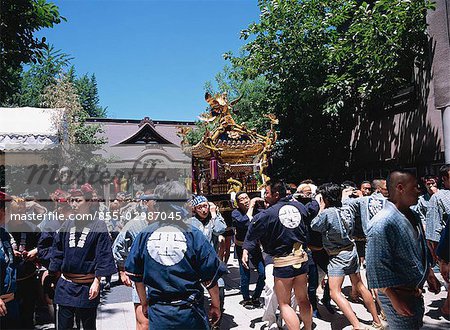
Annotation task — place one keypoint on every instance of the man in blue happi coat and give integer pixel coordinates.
(364, 209)
(122, 246)
(438, 215)
(24, 239)
(173, 259)
(430, 183)
(207, 218)
(283, 234)
(9, 309)
(81, 255)
(241, 220)
(398, 262)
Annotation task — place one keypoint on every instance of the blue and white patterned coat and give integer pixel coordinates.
(336, 225)
(396, 250)
(365, 209)
(397, 257)
(438, 206)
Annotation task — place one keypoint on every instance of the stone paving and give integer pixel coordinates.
(116, 311)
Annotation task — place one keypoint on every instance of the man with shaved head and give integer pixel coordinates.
(397, 262)
(379, 187)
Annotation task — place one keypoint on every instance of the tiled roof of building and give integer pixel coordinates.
(119, 130)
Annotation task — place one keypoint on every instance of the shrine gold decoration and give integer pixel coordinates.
(230, 142)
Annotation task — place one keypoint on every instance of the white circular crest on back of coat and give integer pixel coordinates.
(290, 216)
(167, 245)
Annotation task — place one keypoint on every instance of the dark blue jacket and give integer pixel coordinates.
(81, 250)
(173, 259)
(7, 266)
(278, 228)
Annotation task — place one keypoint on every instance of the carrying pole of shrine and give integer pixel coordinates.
(439, 31)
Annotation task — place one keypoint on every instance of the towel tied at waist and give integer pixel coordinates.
(78, 278)
(295, 259)
(7, 297)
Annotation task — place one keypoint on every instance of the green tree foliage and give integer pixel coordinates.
(323, 61)
(79, 140)
(19, 20)
(250, 107)
(196, 135)
(253, 103)
(41, 74)
(88, 92)
(52, 82)
(52, 63)
(63, 94)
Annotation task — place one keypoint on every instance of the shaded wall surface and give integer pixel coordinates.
(412, 138)
(412, 135)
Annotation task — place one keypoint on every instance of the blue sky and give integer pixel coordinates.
(151, 58)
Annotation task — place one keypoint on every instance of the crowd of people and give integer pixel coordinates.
(169, 247)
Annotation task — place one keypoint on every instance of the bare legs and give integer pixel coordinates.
(141, 320)
(366, 296)
(301, 295)
(335, 283)
(344, 305)
(283, 288)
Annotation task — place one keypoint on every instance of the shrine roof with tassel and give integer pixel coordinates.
(227, 140)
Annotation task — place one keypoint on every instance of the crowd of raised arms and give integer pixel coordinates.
(389, 235)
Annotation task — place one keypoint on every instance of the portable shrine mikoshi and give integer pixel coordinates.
(230, 157)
